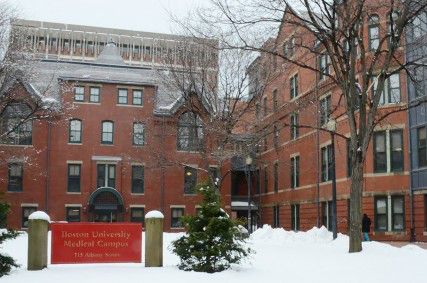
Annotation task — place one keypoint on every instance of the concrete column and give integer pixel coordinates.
(154, 239)
(37, 240)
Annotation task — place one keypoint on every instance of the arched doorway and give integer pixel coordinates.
(106, 205)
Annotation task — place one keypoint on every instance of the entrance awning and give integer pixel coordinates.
(243, 205)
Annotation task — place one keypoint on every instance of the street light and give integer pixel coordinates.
(248, 167)
(332, 127)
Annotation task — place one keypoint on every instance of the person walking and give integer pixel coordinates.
(366, 227)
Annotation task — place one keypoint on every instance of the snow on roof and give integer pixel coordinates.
(39, 215)
(154, 214)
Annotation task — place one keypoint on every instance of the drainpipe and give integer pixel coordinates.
(47, 185)
(318, 152)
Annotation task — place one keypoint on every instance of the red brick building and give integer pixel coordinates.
(120, 143)
(294, 164)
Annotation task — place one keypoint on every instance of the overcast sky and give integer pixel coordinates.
(141, 15)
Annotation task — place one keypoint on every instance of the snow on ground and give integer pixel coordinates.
(281, 256)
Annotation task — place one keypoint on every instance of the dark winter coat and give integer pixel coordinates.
(366, 224)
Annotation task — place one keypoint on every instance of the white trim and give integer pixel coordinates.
(137, 206)
(294, 155)
(87, 103)
(177, 206)
(29, 205)
(106, 158)
(73, 205)
(130, 105)
(74, 162)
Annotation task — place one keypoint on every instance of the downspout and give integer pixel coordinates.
(162, 169)
(411, 192)
(47, 185)
(317, 152)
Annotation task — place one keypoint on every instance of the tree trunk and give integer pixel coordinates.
(356, 208)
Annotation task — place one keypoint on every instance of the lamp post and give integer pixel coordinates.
(248, 167)
(332, 127)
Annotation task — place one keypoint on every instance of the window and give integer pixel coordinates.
(422, 146)
(392, 18)
(176, 214)
(137, 179)
(122, 97)
(190, 179)
(26, 212)
(389, 213)
(276, 216)
(325, 110)
(94, 94)
(374, 32)
(138, 133)
(276, 136)
(295, 217)
(398, 213)
(75, 134)
(106, 175)
(15, 127)
(137, 215)
(294, 126)
(419, 26)
(276, 177)
(388, 151)
(73, 214)
(289, 48)
(419, 83)
(294, 172)
(265, 106)
(15, 177)
(294, 86)
(257, 110)
(79, 93)
(381, 221)
(275, 102)
(326, 156)
(391, 93)
(265, 179)
(190, 132)
(323, 66)
(327, 214)
(214, 174)
(380, 154)
(107, 132)
(137, 97)
(74, 173)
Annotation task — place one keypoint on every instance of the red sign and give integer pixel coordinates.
(95, 243)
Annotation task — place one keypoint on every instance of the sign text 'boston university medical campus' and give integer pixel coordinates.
(95, 243)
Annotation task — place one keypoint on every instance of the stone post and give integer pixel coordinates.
(154, 239)
(37, 240)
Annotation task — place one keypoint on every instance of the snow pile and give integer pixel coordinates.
(154, 214)
(39, 215)
(280, 255)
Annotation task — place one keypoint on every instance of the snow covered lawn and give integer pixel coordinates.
(281, 256)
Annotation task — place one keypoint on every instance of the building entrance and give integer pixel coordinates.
(106, 205)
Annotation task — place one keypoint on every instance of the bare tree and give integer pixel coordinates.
(20, 102)
(344, 42)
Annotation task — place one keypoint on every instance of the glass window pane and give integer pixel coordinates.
(381, 206)
(398, 205)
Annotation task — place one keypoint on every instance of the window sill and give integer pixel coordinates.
(425, 233)
(72, 143)
(391, 105)
(13, 192)
(87, 103)
(390, 233)
(130, 105)
(326, 182)
(190, 195)
(74, 193)
(187, 151)
(385, 174)
(137, 194)
(177, 228)
(107, 144)
(16, 145)
(139, 145)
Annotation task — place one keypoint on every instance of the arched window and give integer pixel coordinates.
(75, 131)
(190, 132)
(392, 19)
(107, 134)
(374, 32)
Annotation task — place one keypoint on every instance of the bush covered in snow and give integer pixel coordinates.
(6, 262)
(213, 241)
